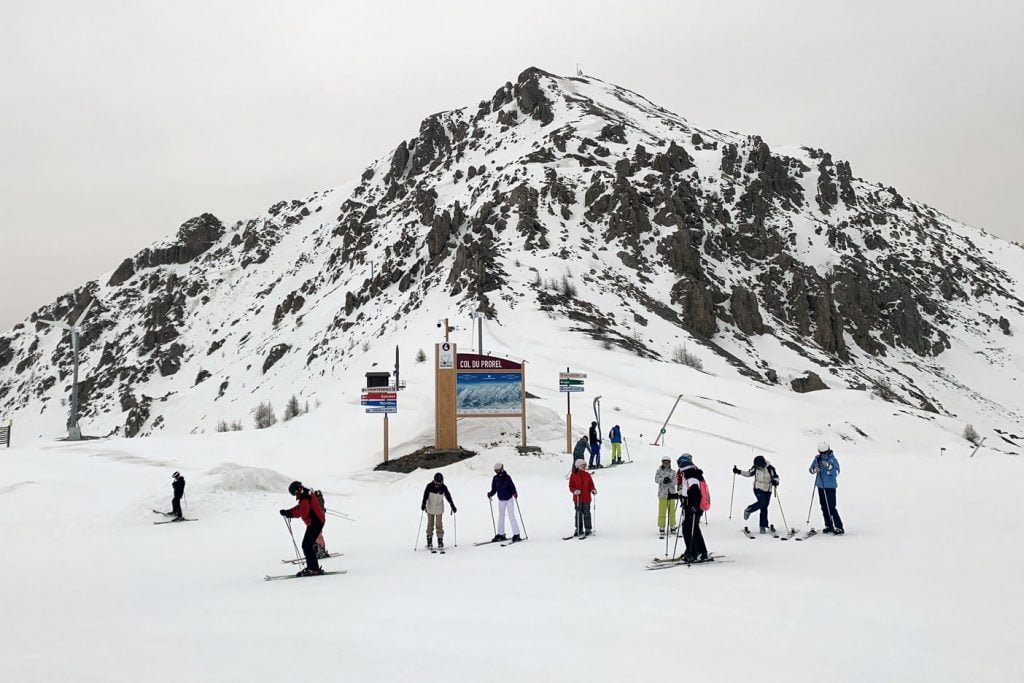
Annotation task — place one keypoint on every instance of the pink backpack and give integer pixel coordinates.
(705, 496)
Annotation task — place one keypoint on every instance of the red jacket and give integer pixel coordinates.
(584, 483)
(307, 503)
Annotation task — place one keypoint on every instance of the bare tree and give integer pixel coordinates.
(292, 408)
(971, 434)
(421, 356)
(264, 416)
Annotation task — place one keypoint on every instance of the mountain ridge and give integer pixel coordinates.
(566, 197)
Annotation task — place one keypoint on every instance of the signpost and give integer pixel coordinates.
(376, 400)
(569, 383)
(5, 434)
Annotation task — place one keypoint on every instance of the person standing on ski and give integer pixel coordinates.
(615, 436)
(503, 486)
(433, 504)
(311, 512)
(765, 479)
(580, 450)
(826, 468)
(581, 484)
(689, 481)
(178, 489)
(595, 446)
(665, 478)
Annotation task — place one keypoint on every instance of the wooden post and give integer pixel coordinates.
(522, 386)
(385, 437)
(568, 420)
(446, 424)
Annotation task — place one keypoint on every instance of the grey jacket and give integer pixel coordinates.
(764, 477)
(659, 479)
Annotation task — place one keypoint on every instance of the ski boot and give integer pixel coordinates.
(515, 538)
(310, 572)
(430, 542)
(498, 537)
(440, 543)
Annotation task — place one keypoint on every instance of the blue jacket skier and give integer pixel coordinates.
(505, 488)
(615, 436)
(825, 467)
(595, 446)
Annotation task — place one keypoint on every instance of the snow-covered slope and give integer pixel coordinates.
(566, 201)
(924, 586)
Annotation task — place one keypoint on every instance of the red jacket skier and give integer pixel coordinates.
(311, 512)
(582, 486)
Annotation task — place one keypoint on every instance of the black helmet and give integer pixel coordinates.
(439, 478)
(176, 475)
(295, 487)
(759, 461)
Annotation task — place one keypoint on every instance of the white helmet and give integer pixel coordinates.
(498, 466)
(581, 463)
(823, 447)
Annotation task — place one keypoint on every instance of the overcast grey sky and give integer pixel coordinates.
(121, 119)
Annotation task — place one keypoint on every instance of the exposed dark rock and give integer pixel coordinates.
(123, 273)
(170, 359)
(809, 382)
(277, 351)
(202, 377)
(531, 98)
(745, 311)
(1004, 325)
(697, 306)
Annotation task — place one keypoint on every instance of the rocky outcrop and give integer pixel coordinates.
(745, 311)
(808, 382)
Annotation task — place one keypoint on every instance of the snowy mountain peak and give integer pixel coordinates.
(555, 199)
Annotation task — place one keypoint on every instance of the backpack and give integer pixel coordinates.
(320, 497)
(705, 496)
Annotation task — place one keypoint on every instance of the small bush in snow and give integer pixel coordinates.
(971, 434)
(421, 356)
(883, 390)
(264, 416)
(222, 426)
(292, 408)
(568, 289)
(537, 282)
(682, 355)
(236, 426)
(366, 346)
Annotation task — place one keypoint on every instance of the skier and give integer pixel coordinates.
(689, 482)
(503, 485)
(615, 436)
(433, 505)
(312, 513)
(580, 450)
(765, 477)
(582, 486)
(178, 487)
(595, 446)
(665, 478)
(826, 467)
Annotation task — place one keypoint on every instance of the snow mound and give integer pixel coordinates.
(239, 478)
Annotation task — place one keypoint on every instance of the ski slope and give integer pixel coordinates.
(924, 586)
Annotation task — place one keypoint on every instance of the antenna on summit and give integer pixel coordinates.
(579, 71)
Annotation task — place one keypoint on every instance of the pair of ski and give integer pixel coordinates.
(281, 577)
(665, 563)
(171, 521)
(810, 533)
(775, 534)
(503, 543)
(302, 560)
(579, 537)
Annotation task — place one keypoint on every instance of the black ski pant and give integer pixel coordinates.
(583, 522)
(176, 506)
(313, 532)
(827, 498)
(763, 499)
(692, 536)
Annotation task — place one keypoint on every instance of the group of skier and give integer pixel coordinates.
(590, 444)
(685, 484)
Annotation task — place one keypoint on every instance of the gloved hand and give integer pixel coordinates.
(423, 507)
(673, 496)
(490, 495)
(284, 513)
(516, 496)
(775, 482)
(666, 480)
(577, 492)
(454, 510)
(736, 470)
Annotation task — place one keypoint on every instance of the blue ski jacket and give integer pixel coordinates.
(615, 436)
(826, 466)
(503, 485)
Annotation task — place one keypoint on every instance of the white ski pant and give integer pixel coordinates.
(508, 506)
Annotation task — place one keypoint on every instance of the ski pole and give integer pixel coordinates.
(494, 527)
(732, 493)
(779, 501)
(338, 513)
(521, 520)
(288, 523)
(418, 527)
(455, 529)
(626, 444)
(679, 531)
(811, 504)
(668, 520)
(593, 515)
